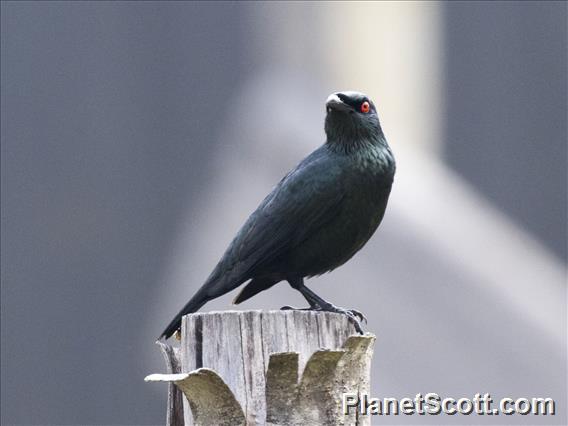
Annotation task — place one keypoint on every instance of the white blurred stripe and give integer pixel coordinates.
(466, 229)
(394, 51)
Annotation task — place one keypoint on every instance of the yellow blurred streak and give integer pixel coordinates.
(393, 52)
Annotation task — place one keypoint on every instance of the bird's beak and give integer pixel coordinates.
(333, 102)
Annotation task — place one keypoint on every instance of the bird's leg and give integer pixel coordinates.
(322, 305)
(297, 283)
(318, 304)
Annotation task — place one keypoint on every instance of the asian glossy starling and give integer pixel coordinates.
(316, 218)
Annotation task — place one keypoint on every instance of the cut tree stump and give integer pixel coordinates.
(266, 368)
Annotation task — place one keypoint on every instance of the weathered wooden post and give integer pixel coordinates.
(266, 368)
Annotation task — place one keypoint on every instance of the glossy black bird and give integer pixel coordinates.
(316, 218)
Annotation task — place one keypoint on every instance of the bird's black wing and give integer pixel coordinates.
(302, 202)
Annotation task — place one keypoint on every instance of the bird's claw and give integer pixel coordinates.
(355, 321)
(354, 315)
(359, 315)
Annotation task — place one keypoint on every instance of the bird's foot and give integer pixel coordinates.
(354, 316)
(360, 315)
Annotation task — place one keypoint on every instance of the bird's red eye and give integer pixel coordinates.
(365, 107)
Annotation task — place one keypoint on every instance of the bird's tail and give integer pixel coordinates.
(196, 302)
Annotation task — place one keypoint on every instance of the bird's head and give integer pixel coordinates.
(351, 118)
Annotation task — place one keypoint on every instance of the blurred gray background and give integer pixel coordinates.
(137, 137)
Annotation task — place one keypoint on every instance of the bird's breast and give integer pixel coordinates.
(349, 228)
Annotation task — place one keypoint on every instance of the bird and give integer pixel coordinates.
(315, 219)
